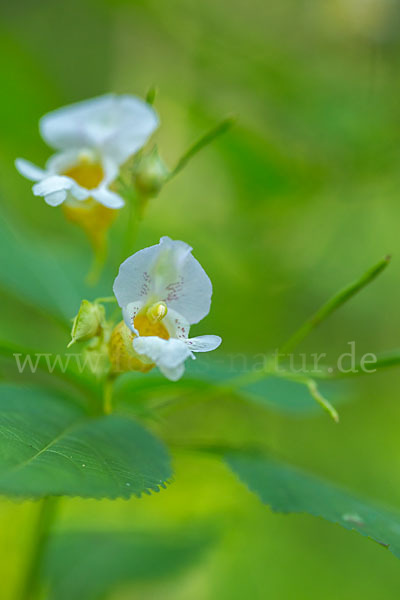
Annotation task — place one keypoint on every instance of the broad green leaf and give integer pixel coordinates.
(89, 564)
(290, 490)
(49, 446)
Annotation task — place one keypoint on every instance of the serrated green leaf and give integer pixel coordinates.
(49, 446)
(290, 490)
(88, 565)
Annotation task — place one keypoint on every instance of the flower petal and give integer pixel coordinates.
(29, 170)
(129, 313)
(111, 170)
(54, 183)
(176, 325)
(169, 355)
(55, 198)
(203, 343)
(79, 193)
(107, 198)
(173, 374)
(63, 161)
(69, 127)
(118, 125)
(166, 272)
(135, 121)
(60, 162)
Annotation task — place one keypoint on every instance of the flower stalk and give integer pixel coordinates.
(108, 394)
(48, 508)
(333, 304)
(203, 141)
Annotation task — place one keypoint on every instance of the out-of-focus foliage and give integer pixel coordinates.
(297, 200)
(91, 564)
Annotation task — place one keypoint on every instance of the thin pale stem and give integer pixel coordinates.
(151, 95)
(323, 402)
(205, 140)
(272, 369)
(31, 588)
(333, 304)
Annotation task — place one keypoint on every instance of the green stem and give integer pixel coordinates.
(131, 229)
(106, 299)
(383, 361)
(205, 139)
(99, 260)
(151, 95)
(107, 395)
(323, 402)
(252, 377)
(333, 304)
(32, 583)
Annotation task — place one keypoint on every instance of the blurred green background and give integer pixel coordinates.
(298, 199)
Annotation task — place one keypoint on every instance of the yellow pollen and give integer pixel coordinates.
(87, 174)
(157, 312)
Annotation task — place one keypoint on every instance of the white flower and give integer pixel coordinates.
(93, 139)
(162, 290)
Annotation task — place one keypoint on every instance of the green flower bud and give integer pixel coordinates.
(150, 174)
(88, 323)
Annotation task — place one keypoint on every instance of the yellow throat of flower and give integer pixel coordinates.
(87, 173)
(148, 323)
(94, 218)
